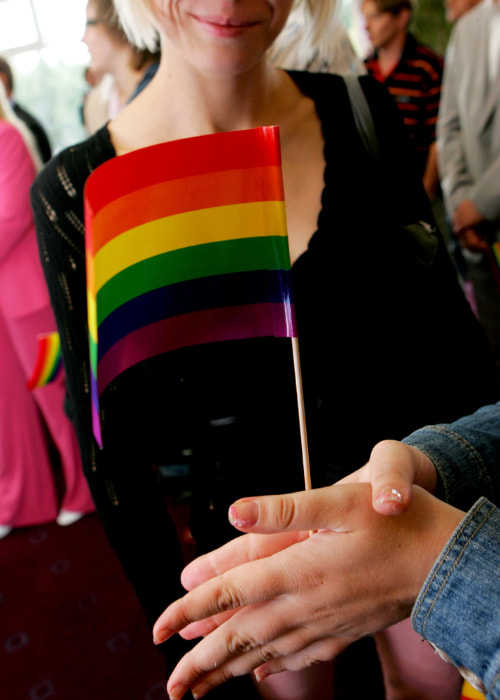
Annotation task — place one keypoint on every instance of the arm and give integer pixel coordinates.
(297, 598)
(456, 180)
(431, 175)
(279, 602)
(130, 505)
(458, 608)
(430, 116)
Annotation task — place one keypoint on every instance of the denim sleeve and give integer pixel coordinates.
(458, 608)
(466, 455)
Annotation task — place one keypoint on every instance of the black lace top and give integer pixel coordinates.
(372, 366)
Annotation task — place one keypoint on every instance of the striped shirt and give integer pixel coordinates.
(415, 84)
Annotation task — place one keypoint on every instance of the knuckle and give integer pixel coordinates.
(269, 653)
(286, 512)
(240, 644)
(225, 674)
(311, 660)
(228, 598)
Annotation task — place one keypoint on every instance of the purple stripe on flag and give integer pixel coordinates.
(208, 326)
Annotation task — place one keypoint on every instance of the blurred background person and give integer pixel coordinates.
(39, 133)
(412, 73)
(469, 153)
(121, 69)
(27, 487)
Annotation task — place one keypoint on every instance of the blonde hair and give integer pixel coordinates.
(314, 39)
(142, 28)
(139, 23)
(8, 114)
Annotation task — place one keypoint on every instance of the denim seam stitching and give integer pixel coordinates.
(475, 455)
(458, 558)
(455, 563)
(445, 554)
(493, 682)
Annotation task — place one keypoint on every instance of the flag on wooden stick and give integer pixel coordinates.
(186, 243)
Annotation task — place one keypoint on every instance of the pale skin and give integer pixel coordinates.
(281, 598)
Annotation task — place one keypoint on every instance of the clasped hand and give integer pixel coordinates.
(320, 569)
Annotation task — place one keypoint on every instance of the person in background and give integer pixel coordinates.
(469, 153)
(27, 488)
(234, 403)
(39, 133)
(122, 69)
(325, 566)
(412, 73)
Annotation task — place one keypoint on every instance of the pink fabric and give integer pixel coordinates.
(27, 492)
(411, 668)
(20, 265)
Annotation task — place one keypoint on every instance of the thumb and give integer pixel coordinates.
(304, 510)
(392, 468)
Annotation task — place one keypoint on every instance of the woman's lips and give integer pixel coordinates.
(225, 26)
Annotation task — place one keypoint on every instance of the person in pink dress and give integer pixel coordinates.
(27, 489)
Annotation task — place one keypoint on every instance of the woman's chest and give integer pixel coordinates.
(303, 175)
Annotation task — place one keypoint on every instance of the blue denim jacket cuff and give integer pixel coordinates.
(458, 608)
(465, 455)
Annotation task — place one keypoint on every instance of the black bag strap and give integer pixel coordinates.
(362, 114)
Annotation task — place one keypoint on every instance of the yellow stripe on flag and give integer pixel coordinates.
(188, 229)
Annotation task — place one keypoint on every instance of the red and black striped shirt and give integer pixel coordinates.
(415, 84)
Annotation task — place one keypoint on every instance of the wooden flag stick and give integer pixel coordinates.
(302, 414)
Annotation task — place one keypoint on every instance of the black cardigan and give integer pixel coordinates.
(373, 365)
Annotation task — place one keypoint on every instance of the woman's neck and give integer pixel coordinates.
(182, 103)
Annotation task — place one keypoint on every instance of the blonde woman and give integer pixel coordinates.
(27, 488)
(232, 405)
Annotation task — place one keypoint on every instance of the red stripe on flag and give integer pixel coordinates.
(183, 158)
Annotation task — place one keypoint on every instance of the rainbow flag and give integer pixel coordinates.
(48, 362)
(186, 243)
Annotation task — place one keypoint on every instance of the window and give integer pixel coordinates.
(18, 26)
(42, 41)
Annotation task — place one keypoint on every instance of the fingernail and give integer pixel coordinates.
(260, 675)
(389, 496)
(200, 690)
(162, 636)
(178, 691)
(245, 514)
